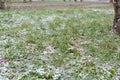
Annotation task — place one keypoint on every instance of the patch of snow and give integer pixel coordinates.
(3, 78)
(23, 32)
(106, 68)
(117, 77)
(3, 41)
(45, 21)
(40, 71)
(83, 75)
(3, 69)
(86, 42)
(118, 49)
(57, 72)
(50, 18)
(108, 11)
(6, 39)
(49, 50)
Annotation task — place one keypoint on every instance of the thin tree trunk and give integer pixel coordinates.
(24, 1)
(81, 0)
(116, 22)
(30, 0)
(75, 0)
(111, 1)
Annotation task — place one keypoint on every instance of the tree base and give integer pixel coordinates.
(116, 27)
(116, 23)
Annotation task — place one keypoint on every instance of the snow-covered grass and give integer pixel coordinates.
(59, 44)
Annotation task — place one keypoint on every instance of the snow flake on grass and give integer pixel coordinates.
(118, 49)
(77, 44)
(22, 32)
(30, 46)
(40, 71)
(7, 39)
(117, 77)
(50, 18)
(4, 62)
(86, 42)
(107, 11)
(49, 49)
(108, 70)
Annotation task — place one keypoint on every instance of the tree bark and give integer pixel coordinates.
(24, 1)
(116, 22)
(81, 0)
(30, 0)
(2, 4)
(111, 1)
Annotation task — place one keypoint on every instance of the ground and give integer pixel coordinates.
(55, 4)
(59, 44)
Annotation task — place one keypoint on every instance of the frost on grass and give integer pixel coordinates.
(107, 11)
(49, 49)
(50, 63)
(51, 70)
(3, 78)
(6, 39)
(22, 32)
(3, 68)
(118, 49)
(48, 19)
(108, 70)
(77, 44)
(31, 48)
(117, 76)
(13, 19)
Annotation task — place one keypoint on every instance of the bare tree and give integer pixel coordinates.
(116, 22)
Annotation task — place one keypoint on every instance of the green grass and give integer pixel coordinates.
(59, 44)
(48, 3)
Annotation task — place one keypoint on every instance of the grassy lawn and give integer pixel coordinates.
(49, 3)
(59, 44)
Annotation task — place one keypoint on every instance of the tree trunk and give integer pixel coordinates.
(2, 4)
(75, 0)
(81, 0)
(116, 22)
(30, 0)
(24, 1)
(111, 1)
